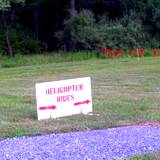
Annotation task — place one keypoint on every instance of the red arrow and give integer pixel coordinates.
(47, 107)
(83, 102)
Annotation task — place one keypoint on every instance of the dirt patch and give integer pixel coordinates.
(139, 122)
(147, 122)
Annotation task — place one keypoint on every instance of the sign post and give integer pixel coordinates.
(63, 98)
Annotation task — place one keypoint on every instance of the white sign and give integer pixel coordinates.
(63, 98)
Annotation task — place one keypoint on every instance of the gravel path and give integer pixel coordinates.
(90, 145)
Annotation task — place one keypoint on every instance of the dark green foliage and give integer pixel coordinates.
(83, 32)
(127, 32)
(80, 32)
(23, 41)
(147, 10)
(136, 24)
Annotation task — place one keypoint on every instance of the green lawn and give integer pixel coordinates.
(124, 92)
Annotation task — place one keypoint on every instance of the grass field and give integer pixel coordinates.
(124, 92)
(151, 156)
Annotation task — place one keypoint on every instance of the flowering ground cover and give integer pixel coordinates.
(90, 145)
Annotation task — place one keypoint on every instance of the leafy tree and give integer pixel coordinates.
(8, 8)
(80, 32)
(126, 32)
(148, 11)
(152, 16)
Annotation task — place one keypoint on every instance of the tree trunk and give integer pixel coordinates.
(7, 38)
(72, 7)
(79, 5)
(36, 20)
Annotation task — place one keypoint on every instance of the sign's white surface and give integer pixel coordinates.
(63, 98)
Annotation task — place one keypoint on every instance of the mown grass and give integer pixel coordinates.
(124, 92)
(151, 156)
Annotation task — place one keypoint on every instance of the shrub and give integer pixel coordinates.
(127, 32)
(22, 41)
(80, 32)
(83, 32)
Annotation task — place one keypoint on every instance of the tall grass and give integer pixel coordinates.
(56, 57)
(46, 58)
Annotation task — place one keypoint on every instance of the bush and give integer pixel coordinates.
(83, 32)
(22, 41)
(80, 32)
(127, 32)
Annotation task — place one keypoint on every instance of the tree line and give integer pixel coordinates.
(37, 26)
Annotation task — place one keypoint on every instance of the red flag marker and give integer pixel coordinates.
(103, 51)
(83, 102)
(141, 52)
(155, 53)
(47, 107)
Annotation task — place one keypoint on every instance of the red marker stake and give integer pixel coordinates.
(83, 102)
(47, 107)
